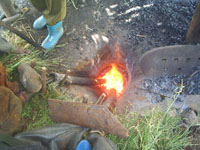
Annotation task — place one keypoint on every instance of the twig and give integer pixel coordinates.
(64, 79)
(101, 98)
(44, 78)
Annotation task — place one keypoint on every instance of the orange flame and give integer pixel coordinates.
(114, 80)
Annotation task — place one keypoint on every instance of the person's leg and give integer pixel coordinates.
(54, 14)
(54, 11)
(7, 7)
(40, 5)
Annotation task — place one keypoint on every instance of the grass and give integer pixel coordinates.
(11, 60)
(157, 130)
(35, 112)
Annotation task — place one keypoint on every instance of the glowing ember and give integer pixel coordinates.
(114, 80)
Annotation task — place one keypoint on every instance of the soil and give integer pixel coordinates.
(137, 25)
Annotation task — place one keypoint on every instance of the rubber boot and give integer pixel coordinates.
(39, 23)
(55, 32)
(84, 145)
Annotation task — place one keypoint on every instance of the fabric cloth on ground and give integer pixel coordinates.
(10, 111)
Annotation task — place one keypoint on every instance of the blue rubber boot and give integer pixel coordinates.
(84, 145)
(55, 32)
(39, 23)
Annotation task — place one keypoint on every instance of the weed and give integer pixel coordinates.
(157, 130)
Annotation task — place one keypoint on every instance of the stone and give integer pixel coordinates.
(193, 101)
(29, 78)
(190, 117)
(10, 111)
(5, 46)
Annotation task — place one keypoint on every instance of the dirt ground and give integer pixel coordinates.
(137, 25)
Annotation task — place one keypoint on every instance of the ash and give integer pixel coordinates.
(157, 22)
(163, 88)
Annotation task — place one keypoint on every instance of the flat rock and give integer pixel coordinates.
(30, 79)
(193, 101)
(10, 111)
(5, 46)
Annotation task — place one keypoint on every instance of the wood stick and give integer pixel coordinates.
(83, 80)
(44, 78)
(12, 18)
(23, 36)
(64, 79)
(101, 99)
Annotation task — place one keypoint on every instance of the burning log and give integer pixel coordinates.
(83, 81)
(73, 79)
(77, 80)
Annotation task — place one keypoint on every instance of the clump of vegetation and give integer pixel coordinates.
(154, 131)
(35, 113)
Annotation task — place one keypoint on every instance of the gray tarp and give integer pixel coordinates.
(58, 137)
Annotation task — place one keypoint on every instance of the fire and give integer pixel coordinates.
(114, 80)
